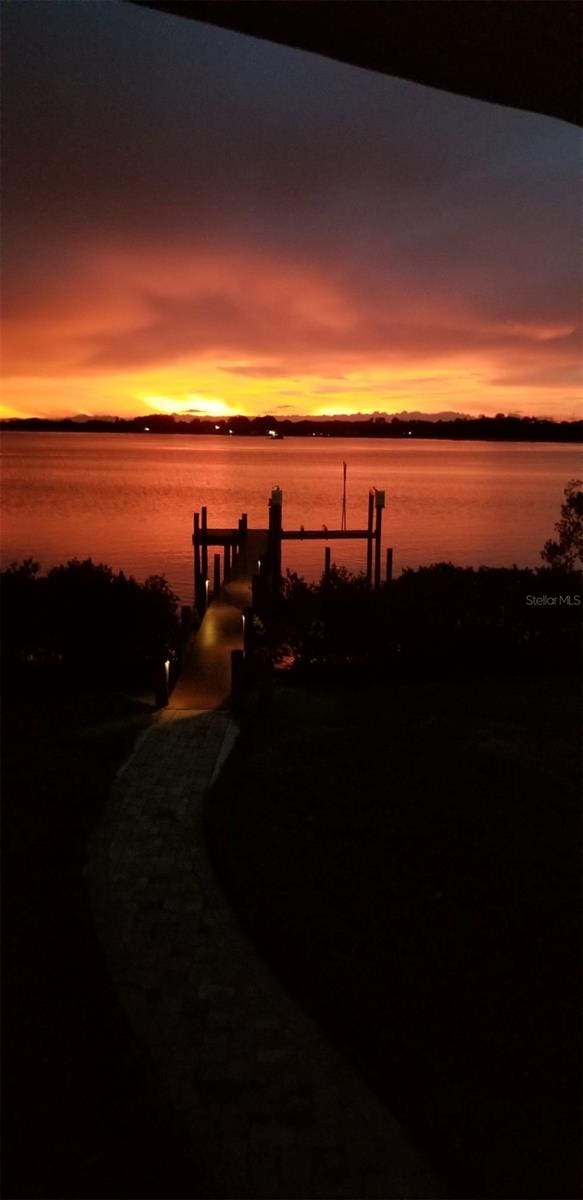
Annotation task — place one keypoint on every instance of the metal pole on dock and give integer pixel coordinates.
(379, 499)
(369, 538)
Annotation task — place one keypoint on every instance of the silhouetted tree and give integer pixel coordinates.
(566, 553)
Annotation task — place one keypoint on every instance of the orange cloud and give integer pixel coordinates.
(237, 328)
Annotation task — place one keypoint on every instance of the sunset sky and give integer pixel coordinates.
(196, 221)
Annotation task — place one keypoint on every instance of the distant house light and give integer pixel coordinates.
(217, 427)
(146, 428)
(231, 432)
(272, 433)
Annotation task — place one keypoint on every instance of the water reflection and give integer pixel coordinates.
(128, 499)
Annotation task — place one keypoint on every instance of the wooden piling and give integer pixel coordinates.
(197, 572)
(369, 538)
(389, 575)
(379, 500)
(204, 547)
(226, 563)
(241, 547)
(327, 558)
(275, 521)
(216, 574)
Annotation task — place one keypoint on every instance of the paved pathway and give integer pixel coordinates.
(250, 1079)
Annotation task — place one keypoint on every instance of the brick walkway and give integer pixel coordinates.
(250, 1079)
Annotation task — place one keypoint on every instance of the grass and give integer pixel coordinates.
(80, 1118)
(407, 858)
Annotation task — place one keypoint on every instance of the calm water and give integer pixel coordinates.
(128, 500)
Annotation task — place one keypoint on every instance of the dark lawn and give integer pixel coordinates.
(408, 859)
(80, 1118)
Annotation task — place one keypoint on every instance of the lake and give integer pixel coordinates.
(128, 499)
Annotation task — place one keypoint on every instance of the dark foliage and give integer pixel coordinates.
(438, 617)
(566, 552)
(87, 620)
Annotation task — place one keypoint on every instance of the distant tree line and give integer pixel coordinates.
(499, 428)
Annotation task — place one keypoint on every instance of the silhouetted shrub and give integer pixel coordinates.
(86, 619)
(331, 619)
(441, 616)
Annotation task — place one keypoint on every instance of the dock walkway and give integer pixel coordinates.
(205, 680)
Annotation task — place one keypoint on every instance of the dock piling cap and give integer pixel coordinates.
(379, 499)
(276, 496)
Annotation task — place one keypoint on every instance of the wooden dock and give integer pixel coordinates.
(240, 552)
(237, 574)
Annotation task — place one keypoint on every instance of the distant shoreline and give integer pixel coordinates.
(497, 429)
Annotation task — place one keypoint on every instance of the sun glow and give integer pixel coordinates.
(193, 405)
